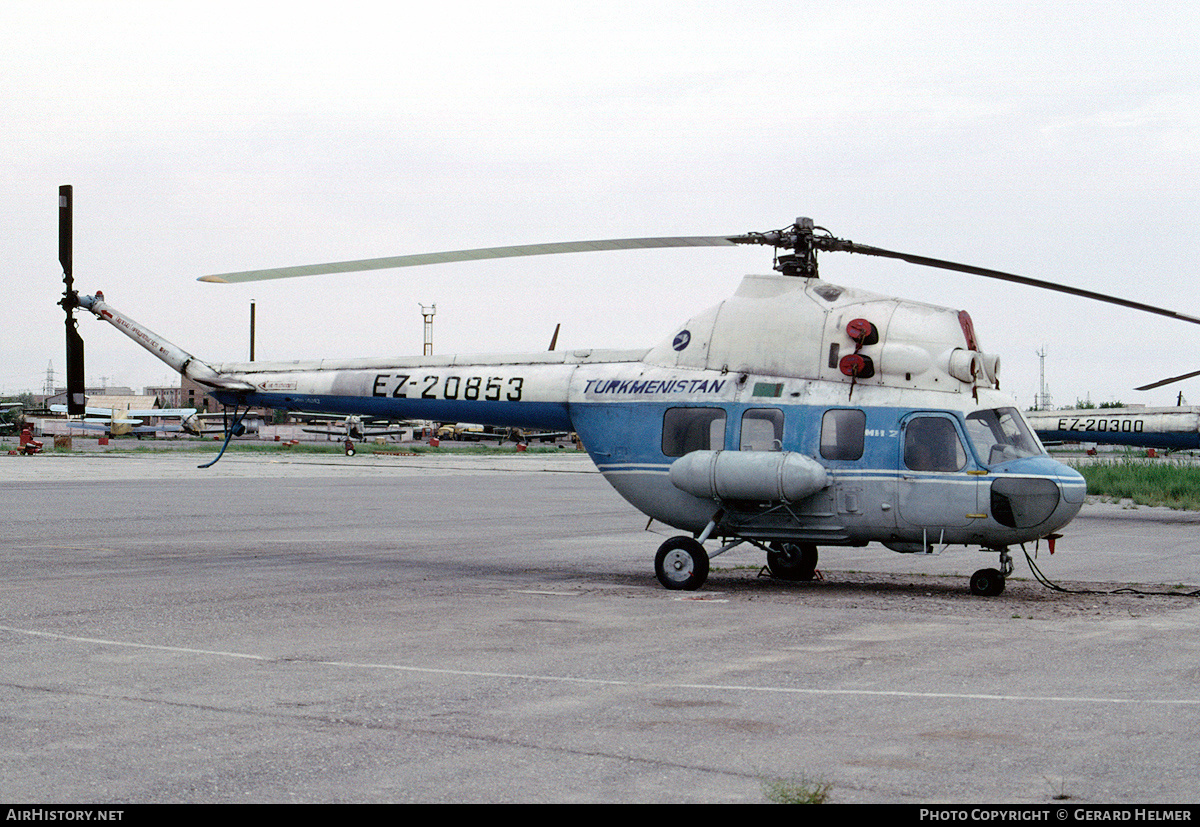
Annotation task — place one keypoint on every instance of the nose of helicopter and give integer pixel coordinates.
(1036, 494)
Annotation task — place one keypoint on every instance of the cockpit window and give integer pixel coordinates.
(1000, 435)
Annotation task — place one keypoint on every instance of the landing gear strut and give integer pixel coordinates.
(990, 582)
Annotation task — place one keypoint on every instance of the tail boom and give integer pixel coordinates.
(180, 360)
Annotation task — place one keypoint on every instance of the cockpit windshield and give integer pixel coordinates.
(1001, 434)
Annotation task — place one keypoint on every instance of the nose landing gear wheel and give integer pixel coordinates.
(681, 563)
(987, 582)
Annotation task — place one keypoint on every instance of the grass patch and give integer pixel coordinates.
(793, 791)
(1160, 483)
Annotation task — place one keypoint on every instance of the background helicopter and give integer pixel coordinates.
(1169, 429)
(1172, 429)
(794, 414)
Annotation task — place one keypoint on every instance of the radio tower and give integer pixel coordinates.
(1043, 399)
(428, 313)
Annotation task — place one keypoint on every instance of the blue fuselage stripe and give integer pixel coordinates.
(549, 415)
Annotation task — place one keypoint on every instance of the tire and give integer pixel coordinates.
(792, 561)
(681, 564)
(987, 583)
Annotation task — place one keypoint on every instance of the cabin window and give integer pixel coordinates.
(931, 443)
(692, 429)
(842, 434)
(762, 430)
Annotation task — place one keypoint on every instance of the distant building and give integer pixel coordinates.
(113, 400)
(188, 394)
(194, 395)
(97, 390)
(168, 396)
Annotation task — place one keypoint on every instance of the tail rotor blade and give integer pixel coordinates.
(65, 231)
(76, 397)
(70, 300)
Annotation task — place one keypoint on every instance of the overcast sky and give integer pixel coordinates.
(1059, 141)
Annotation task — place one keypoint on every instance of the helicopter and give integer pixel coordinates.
(1168, 429)
(796, 414)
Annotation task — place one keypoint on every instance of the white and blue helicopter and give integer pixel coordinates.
(1168, 429)
(793, 415)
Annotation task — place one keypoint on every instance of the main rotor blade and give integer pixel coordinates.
(784, 238)
(1162, 382)
(851, 247)
(467, 255)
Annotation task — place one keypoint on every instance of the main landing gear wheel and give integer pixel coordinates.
(987, 582)
(792, 561)
(681, 563)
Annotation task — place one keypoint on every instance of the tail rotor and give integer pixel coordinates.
(76, 399)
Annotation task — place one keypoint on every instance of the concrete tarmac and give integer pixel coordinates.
(294, 628)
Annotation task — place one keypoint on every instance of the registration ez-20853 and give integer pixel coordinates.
(411, 386)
